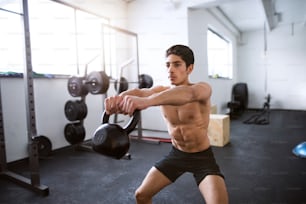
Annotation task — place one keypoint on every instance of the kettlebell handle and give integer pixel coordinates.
(130, 126)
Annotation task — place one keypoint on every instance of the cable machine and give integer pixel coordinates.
(32, 183)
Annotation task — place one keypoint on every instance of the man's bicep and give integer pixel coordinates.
(203, 91)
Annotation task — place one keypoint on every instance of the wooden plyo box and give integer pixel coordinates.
(213, 109)
(219, 130)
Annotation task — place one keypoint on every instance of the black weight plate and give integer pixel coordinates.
(44, 145)
(76, 87)
(71, 110)
(145, 81)
(97, 82)
(124, 85)
(75, 110)
(74, 133)
(82, 110)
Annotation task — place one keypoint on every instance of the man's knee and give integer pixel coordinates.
(138, 194)
(141, 196)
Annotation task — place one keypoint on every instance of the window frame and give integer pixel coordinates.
(78, 56)
(226, 73)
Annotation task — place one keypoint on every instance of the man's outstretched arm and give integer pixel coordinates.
(179, 95)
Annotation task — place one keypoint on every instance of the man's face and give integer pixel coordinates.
(177, 70)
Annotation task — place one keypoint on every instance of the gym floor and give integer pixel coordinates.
(258, 165)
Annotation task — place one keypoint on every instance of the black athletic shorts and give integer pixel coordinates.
(200, 164)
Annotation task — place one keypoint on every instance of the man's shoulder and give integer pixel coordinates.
(202, 84)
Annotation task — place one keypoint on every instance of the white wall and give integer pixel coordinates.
(199, 19)
(281, 72)
(159, 25)
(115, 11)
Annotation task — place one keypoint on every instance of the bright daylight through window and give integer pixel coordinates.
(219, 55)
(63, 39)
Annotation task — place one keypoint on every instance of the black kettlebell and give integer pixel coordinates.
(111, 139)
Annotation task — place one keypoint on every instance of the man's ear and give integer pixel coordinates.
(190, 68)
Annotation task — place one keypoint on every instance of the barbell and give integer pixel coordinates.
(97, 82)
(144, 81)
(111, 139)
(100, 81)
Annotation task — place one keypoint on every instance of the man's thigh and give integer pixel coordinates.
(213, 189)
(153, 182)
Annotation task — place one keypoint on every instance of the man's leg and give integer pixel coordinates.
(152, 184)
(214, 190)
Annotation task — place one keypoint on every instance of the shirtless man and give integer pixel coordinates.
(186, 108)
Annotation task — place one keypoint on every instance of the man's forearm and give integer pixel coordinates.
(174, 96)
(131, 92)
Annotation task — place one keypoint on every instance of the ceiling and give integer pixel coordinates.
(247, 15)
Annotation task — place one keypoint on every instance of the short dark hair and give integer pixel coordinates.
(182, 51)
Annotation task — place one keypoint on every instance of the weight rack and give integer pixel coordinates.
(34, 182)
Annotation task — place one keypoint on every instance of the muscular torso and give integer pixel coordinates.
(188, 125)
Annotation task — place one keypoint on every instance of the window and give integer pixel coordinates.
(64, 41)
(120, 53)
(52, 38)
(11, 38)
(219, 56)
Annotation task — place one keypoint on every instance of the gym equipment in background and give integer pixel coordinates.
(33, 183)
(263, 117)
(98, 82)
(76, 86)
(145, 81)
(75, 110)
(44, 146)
(121, 85)
(239, 100)
(75, 132)
(300, 150)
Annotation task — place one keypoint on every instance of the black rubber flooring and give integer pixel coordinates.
(258, 165)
